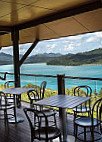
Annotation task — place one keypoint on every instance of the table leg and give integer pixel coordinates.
(63, 118)
(18, 120)
(15, 119)
(18, 100)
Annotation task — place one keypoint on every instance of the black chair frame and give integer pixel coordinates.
(85, 107)
(34, 95)
(41, 132)
(5, 106)
(91, 123)
(10, 84)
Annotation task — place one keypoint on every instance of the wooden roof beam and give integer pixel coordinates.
(62, 14)
(28, 52)
(5, 29)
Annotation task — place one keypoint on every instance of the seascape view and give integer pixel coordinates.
(43, 69)
(76, 56)
(50, 70)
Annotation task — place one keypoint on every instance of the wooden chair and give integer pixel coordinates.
(41, 132)
(5, 106)
(92, 123)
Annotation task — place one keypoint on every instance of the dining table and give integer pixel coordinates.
(16, 92)
(63, 102)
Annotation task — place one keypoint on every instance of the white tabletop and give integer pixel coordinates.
(63, 101)
(16, 91)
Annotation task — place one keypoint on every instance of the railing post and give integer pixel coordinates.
(61, 83)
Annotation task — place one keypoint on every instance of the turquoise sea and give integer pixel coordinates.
(43, 69)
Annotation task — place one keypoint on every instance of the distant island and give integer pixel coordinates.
(90, 57)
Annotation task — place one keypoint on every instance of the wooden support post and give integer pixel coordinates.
(15, 39)
(61, 83)
(61, 87)
(62, 111)
(28, 52)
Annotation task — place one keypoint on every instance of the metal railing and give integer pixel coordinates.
(62, 83)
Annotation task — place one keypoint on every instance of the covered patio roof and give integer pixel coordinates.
(47, 19)
(24, 21)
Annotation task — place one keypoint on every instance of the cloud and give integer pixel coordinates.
(69, 47)
(7, 48)
(48, 45)
(75, 37)
(51, 40)
(51, 45)
(66, 41)
(94, 37)
(98, 34)
(91, 39)
(23, 48)
(72, 44)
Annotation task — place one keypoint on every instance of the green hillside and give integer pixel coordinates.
(5, 59)
(41, 58)
(91, 57)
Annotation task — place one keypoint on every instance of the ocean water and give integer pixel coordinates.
(43, 69)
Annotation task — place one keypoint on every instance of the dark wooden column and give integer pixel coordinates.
(15, 39)
(28, 52)
(61, 83)
(61, 87)
(62, 111)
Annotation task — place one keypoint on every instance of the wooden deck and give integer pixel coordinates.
(21, 132)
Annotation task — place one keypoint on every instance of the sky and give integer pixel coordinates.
(71, 44)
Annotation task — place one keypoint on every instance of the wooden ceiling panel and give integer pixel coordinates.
(7, 8)
(8, 13)
(5, 40)
(40, 19)
(30, 34)
(19, 11)
(23, 14)
(61, 4)
(31, 12)
(68, 26)
(46, 33)
(91, 20)
(20, 2)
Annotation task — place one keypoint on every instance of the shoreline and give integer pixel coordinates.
(91, 65)
(57, 64)
(76, 65)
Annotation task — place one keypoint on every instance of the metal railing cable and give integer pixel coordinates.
(55, 76)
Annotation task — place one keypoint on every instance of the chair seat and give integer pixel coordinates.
(86, 121)
(82, 109)
(36, 98)
(51, 131)
(47, 113)
(3, 107)
(10, 100)
(9, 97)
